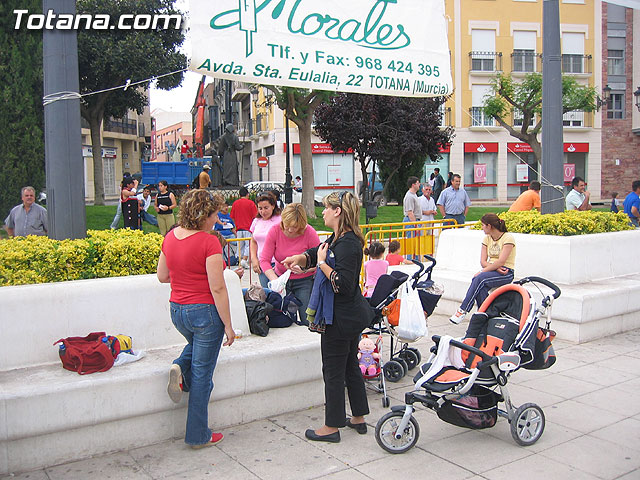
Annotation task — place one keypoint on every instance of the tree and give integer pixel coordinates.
(299, 105)
(108, 58)
(21, 110)
(398, 133)
(525, 98)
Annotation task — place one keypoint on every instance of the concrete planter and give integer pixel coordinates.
(599, 276)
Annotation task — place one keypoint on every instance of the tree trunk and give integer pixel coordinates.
(95, 123)
(306, 160)
(385, 188)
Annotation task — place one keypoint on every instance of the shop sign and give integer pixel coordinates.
(522, 173)
(576, 148)
(480, 173)
(481, 147)
(362, 46)
(445, 148)
(107, 152)
(519, 148)
(316, 148)
(569, 171)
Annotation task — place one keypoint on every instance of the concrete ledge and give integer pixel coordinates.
(55, 416)
(588, 308)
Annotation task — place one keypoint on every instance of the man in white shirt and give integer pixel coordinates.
(427, 203)
(144, 199)
(578, 198)
(412, 209)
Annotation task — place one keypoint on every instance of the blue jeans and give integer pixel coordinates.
(301, 288)
(147, 217)
(203, 329)
(264, 280)
(460, 218)
(480, 285)
(411, 234)
(116, 217)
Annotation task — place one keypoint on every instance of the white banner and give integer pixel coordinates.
(384, 47)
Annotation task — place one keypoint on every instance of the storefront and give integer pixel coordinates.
(522, 168)
(480, 170)
(575, 163)
(442, 163)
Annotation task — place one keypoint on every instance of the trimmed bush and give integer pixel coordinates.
(104, 253)
(565, 223)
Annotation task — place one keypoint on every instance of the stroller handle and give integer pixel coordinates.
(421, 268)
(547, 283)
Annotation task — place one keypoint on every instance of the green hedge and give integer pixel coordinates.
(104, 253)
(564, 223)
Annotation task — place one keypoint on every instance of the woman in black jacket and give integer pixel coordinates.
(351, 314)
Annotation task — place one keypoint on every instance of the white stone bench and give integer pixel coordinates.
(54, 416)
(599, 276)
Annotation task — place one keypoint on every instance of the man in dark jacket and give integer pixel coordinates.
(438, 183)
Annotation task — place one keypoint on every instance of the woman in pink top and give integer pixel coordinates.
(191, 260)
(268, 216)
(374, 268)
(291, 237)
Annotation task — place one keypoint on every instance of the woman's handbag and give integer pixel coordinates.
(411, 324)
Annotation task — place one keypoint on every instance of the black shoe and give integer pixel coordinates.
(331, 437)
(361, 428)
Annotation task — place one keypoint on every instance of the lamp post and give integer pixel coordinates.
(637, 95)
(606, 96)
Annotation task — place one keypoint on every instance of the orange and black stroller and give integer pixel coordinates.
(465, 379)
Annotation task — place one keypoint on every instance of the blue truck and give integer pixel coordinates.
(178, 174)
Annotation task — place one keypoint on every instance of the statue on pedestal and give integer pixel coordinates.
(228, 145)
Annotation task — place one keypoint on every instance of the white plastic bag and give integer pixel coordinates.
(280, 284)
(411, 324)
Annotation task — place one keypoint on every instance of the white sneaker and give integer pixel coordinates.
(174, 388)
(458, 316)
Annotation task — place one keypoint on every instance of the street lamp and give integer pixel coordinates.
(637, 95)
(268, 101)
(606, 96)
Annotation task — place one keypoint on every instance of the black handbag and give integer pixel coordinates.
(257, 313)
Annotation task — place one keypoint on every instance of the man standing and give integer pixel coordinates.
(411, 208)
(28, 218)
(298, 184)
(204, 180)
(427, 203)
(144, 199)
(438, 183)
(454, 202)
(632, 204)
(243, 212)
(528, 200)
(577, 198)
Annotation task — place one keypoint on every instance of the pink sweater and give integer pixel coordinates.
(279, 246)
(373, 270)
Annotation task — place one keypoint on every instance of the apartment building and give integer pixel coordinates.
(169, 131)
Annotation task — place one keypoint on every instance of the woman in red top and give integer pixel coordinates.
(191, 260)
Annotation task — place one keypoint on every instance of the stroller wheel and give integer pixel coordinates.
(417, 352)
(402, 362)
(410, 358)
(385, 402)
(386, 433)
(527, 424)
(393, 370)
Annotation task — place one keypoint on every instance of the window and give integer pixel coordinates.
(109, 176)
(483, 46)
(478, 117)
(615, 62)
(524, 51)
(518, 117)
(573, 119)
(616, 106)
(573, 53)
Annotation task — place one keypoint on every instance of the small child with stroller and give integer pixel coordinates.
(394, 258)
(497, 258)
(374, 267)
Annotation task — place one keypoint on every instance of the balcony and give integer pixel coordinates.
(485, 62)
(445, 116)
(479, 119)
(576, 64)
(239, 91)
(128, 127)
(577, 119)
(525, 61)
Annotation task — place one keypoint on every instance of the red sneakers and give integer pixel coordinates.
(215, 439)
